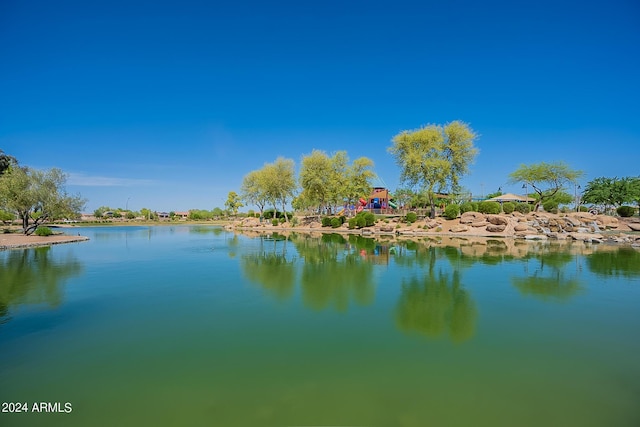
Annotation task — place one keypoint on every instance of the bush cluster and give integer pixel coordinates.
(451, 211)
(268, 214)
(411, 217)
(508, 207)
(626, 211)
(333, 221)
(362, 219)
(523, 208)
(489, 207)
(43, 231)
(466, 207)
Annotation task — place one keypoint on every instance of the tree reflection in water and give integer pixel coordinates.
(549, 279)
(270, 267)
(437, 303)
(32, 276)
(336, 270)
(624, 261)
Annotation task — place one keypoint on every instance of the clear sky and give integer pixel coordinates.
(168, 105)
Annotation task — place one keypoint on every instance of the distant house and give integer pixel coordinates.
(182, 215)
(163, 215)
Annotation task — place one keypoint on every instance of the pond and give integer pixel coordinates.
(201, 326)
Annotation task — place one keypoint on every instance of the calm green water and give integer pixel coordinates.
(198, 326)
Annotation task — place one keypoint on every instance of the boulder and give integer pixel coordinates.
(459, 228)
(250, 222)
(585, 237)
(496, 228)
(479, 224)
(634, 226)
(497, 220)
(471, 217)
(521, 227)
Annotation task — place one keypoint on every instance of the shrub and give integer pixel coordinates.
(326, 221)
(275, 221)
(466, 207)
(335, 222)
(294, 221)
(523, 208)
(352, 223)
(625, 211)
(451, 211)
(267, 214)
(508, 207)
(369, 219)
(43, 231)
(411, 217)
(583, 209)
(550, 206)
(489, 207)
(360, 221)
(343, 219)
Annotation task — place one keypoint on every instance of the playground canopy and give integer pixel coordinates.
(510, 197)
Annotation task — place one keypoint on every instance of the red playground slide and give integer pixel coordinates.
(363, 203)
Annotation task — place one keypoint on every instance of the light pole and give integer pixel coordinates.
(576, 187)
(127, 204)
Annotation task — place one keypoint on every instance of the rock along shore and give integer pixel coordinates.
(574, 226)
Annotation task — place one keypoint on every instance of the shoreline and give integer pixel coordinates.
(20, 241)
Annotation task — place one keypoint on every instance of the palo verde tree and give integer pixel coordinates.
(435, 157)
(329, 181)
(280, 183)
(546, 179)
(233, 202)
(274, 183)
(358, 180)
(254, 189)
(315, 172)
(37, 196)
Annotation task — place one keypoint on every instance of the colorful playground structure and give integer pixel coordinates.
(379, 201)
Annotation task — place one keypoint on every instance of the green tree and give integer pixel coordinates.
(612, 192)
(233, 202)
(148, 214)
(6, 161)
(254, 189)
(403, 196)
(435, 157)
(315, 170)
(546, 179)
(358, 180)
(37, 196)
(280, 183)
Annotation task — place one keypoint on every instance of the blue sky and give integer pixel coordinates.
(168, 105)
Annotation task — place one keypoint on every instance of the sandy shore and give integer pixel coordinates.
(12, 240)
